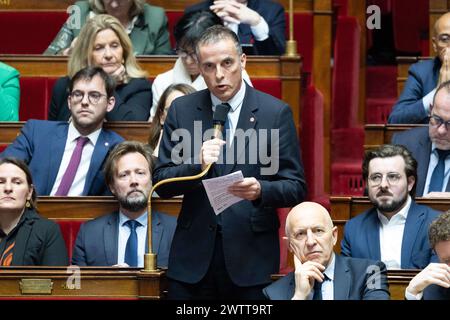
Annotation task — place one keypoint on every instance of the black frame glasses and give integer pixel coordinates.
(437, 121)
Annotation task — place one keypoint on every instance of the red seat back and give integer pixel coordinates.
(35, 97)
(69, 230)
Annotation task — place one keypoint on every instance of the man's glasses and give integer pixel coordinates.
(184, 54)
(392, 178)
(93, 96)
(437, 121)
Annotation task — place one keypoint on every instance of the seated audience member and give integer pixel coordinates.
(104, 43)
(260, 24)
(321, 274)
(26, 239)
(171, 93)
(9, 93)
(395, 229)
(187, 32)
(145, 24)
(433, 282)
(430, 147)
(66, 159)
(120, 238)
(424, 77)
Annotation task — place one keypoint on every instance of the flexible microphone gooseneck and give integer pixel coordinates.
(219, 118)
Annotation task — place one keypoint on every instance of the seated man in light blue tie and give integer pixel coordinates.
(64, 158)
(321, 274)
(430, 146)
(120, 238)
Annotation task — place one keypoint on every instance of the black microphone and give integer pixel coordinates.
(219, 119)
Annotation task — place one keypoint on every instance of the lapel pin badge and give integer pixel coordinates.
(252, 119)
(106, 144)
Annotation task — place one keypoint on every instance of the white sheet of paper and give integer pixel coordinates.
(217, 191)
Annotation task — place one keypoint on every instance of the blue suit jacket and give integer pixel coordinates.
(423, 78)
(97, 240)
(362, 237)
(249, 228)
(274, 15)
(352, 278)
(41, 145)
(418, 142)
(435, 292)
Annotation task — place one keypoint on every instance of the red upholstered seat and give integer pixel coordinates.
(173, 17)
(2, 147)
(269, 86)
(69, 230)
(29, 32)
(35, 97)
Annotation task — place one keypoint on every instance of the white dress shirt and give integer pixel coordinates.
(391, 236)
(80, 177)
(328, 285)
(124, 234)
(434, 159)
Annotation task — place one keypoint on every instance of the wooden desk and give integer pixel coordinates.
(86, 208)
(95, 283)
(378, 134)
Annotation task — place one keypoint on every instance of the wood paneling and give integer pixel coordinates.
(378, 134)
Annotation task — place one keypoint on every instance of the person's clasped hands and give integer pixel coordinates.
(232, 11)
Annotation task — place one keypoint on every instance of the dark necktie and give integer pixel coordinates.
(437, 178)
(131, 257)
(318, 288)
(69, 175)
(224, 133)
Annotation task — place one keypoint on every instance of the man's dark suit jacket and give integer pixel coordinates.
(97, 240)
(418, 142)
(133, 101)
(422, 79)
(362, 237)
(274, 15)
(38, 242)
(41, 145)
(435, 292)
(353, 280)
(249, 228)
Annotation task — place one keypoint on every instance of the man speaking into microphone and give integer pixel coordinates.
(230, 255)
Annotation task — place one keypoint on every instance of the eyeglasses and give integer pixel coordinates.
(443, 39)
(437, 121)
(184, 54)
(392, 178)
(93, 96)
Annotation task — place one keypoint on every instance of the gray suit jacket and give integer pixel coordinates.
(353, 280)
(97, 240)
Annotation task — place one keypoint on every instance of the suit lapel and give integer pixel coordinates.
(57, 146)
(423, 159)
(21, 244)
(372, 232)
(101, 149)
(247, 120)
(289, 293)
(157, 232)
(139, 34)
(111, 239)
(413, 223)
(342, 279)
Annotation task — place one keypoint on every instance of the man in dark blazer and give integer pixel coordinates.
(429, 145)
(47, 146)
(395, 229)
(260, 24)
(104, 241)
(424, 77)
(235, 252)
(321, 274)
(433, 282)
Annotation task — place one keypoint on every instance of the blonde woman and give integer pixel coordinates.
(145, 24)
(104, 43)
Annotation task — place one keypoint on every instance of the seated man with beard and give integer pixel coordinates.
(395, 230)
(120, 238)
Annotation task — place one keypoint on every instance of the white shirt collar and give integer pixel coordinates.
(235, 101)
(73, 134)
(142, 219)
(399, 216)
(329, 270)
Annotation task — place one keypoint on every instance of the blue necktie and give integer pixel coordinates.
(132, 243)
(437, 178)
(317, 290)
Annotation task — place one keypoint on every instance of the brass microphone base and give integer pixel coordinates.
(149, 262)
(291, 48)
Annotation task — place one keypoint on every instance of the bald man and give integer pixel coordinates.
(320, 274)
(424, 77)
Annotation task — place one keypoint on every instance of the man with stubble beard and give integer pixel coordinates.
(120, 238)
(395, 229)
